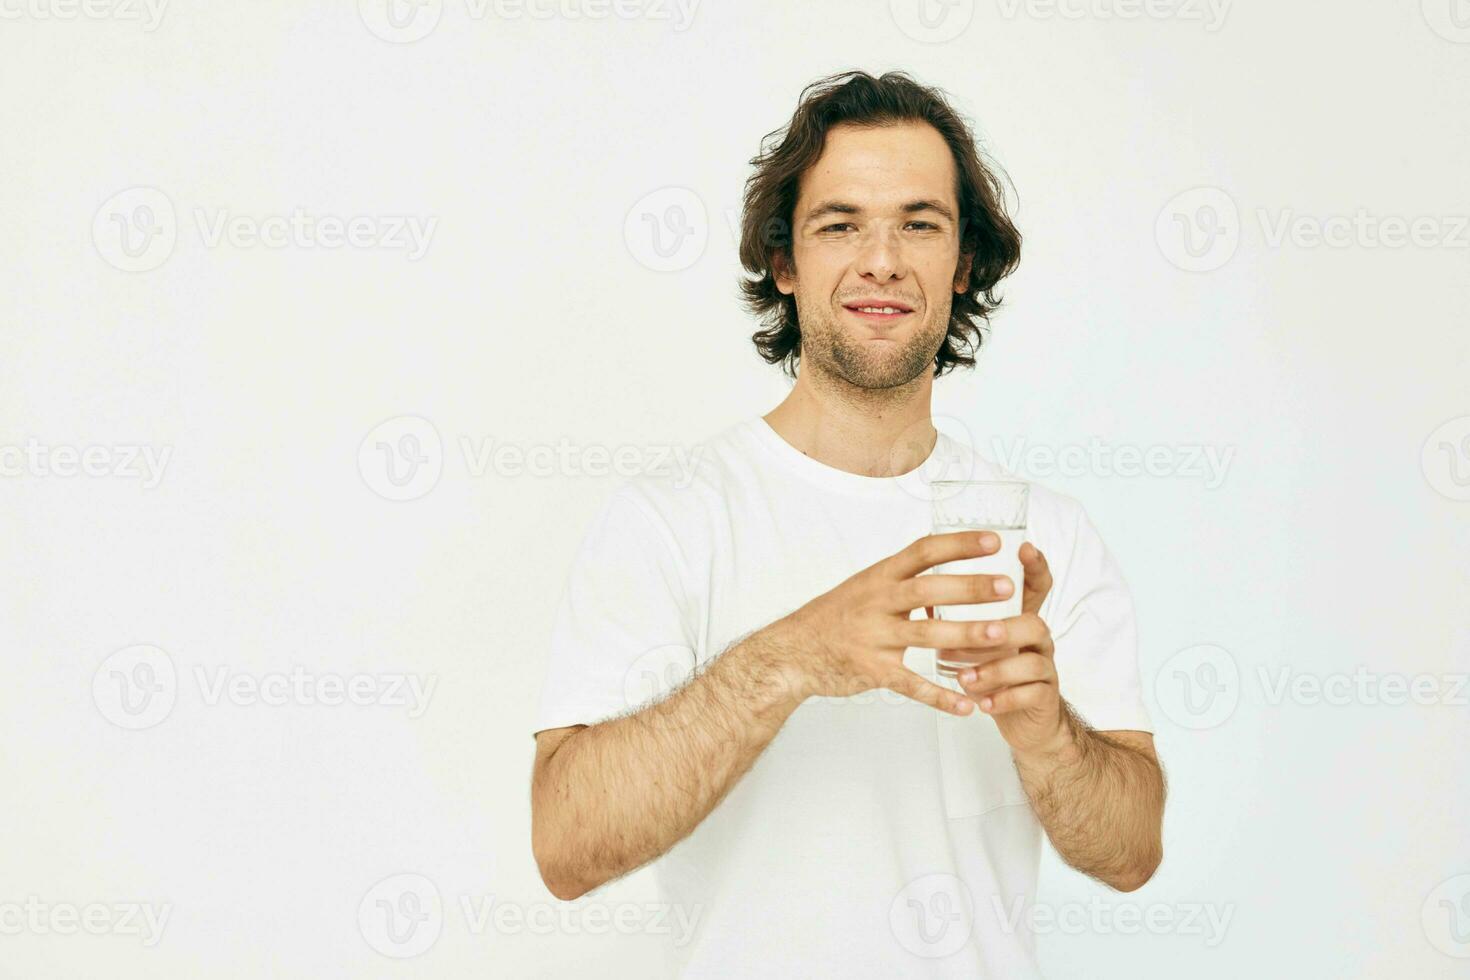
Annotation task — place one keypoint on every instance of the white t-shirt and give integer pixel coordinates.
(875, 836)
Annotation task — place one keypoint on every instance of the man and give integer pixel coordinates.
(814, 822)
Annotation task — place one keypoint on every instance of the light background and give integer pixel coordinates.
(1336, 376)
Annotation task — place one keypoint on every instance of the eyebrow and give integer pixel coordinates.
(824, 208)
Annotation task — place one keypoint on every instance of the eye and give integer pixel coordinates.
(840, 224)
(924, 225)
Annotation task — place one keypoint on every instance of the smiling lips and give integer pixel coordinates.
(872, 309)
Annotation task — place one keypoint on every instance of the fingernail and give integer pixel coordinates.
(1003, 586)
(986, 704)
(994, 631)
(988, 540)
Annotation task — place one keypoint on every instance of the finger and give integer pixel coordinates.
(1037, 578)
(911, 685)
(951, 590)
(944, 634)
(1027, 631)
(1017, 698)
(1004, 672)
(936, 549)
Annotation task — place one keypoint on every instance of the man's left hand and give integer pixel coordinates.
(1015, 680)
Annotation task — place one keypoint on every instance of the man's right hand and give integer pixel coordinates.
(852, 639)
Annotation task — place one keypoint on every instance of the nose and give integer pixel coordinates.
(880, 256)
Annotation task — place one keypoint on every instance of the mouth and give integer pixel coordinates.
(878, 311)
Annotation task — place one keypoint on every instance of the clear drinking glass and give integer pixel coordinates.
(981, 505)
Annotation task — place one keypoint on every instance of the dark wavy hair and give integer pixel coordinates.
(856, 97)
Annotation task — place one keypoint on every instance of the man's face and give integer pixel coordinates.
(875, 225)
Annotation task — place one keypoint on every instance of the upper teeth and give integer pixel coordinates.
(879, 309)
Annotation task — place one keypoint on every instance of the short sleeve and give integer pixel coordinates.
(620, 630)
(1095, 632)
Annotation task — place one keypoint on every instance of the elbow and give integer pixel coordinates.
(1139, 874)
(563, 888)
(554, 873)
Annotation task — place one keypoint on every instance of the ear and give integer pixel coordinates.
(782, 269)
(962, 273)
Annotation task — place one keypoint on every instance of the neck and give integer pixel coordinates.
(872, 432)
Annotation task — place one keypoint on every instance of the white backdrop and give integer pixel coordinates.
(283, 280)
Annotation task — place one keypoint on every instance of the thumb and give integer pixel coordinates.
(1037, 573)
(912, 685)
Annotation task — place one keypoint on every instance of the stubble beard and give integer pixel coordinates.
(834, 352)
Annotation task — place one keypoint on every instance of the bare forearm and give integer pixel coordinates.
(1101, 802)
(619, 794)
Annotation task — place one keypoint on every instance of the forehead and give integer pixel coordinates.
(880, 167)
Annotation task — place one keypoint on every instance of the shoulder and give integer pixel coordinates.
(682, 489)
